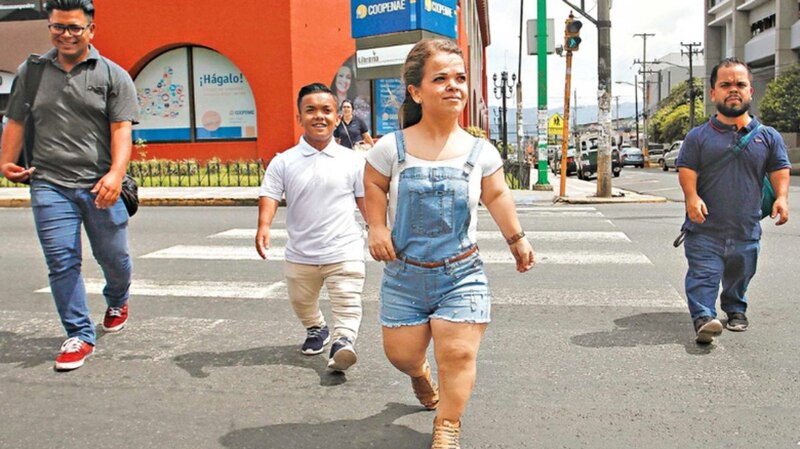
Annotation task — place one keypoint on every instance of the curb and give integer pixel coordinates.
(639, 199)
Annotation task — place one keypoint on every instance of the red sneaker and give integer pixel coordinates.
(115, 318)
(73, 352)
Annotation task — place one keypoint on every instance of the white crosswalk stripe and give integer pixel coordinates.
(650, 296)
(202, 252)
(565, 236)
(534, 236)
(202, 289)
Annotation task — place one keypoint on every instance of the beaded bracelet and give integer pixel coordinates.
(515, 238)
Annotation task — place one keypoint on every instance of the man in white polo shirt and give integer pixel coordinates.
(323, 183)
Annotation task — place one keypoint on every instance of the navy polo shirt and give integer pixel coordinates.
(732, 192)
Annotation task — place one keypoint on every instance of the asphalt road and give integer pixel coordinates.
(592, 349)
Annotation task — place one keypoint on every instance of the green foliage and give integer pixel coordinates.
(477, 132)
(780, 107)
(671, 121)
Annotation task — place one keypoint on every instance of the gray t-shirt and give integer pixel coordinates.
(72, 116)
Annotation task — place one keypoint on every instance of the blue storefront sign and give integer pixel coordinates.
(389, 95)
(374, 17)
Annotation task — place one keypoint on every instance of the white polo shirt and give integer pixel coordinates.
(321, 189)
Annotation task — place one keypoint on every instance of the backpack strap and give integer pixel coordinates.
(33, 77)
(734, 151)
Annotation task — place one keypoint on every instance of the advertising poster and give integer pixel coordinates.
(345, 86)
(163, 95)
(389, 95)
(224, 105)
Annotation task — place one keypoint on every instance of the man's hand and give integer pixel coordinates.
(15, 173)
(262, 241)
(107, 190)
(780, 207)
(696, 209)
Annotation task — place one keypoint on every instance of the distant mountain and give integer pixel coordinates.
(585, 114)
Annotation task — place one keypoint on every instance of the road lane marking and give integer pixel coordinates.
(534, 236)
(651, 296)
(200, 289)
(275, 253)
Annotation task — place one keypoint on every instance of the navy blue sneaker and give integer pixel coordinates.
(737, 322)
(316, 339)
(343, 354)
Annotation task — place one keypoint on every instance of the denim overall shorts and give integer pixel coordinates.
(438, 272)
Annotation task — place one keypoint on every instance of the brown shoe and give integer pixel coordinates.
(446, 434)
(425, 388)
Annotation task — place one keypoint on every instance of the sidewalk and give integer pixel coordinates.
(577, 192)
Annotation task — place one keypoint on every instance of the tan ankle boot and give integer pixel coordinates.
(425, 388)
(446, 434)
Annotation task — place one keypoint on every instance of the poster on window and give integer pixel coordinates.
(389, 95)
(224, 105)
(346, 86)
(162, 90)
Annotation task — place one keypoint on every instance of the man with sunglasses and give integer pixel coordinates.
(82, 116)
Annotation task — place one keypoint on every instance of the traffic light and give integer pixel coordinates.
(572, 33)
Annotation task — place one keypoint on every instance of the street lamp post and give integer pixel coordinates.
(504, 94)
(635, 102)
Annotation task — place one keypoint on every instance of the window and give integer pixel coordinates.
(193, 94)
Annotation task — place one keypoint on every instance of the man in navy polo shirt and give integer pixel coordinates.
(723, 201)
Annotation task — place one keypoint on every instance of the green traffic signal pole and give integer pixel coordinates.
(541, 54)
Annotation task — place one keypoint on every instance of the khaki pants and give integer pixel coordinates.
(344, 281)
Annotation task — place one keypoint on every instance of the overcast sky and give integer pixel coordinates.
(672, 22)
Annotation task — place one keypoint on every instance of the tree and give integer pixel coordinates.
(671, 120)
(780, 107)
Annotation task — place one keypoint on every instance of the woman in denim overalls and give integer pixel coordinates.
(434, 285)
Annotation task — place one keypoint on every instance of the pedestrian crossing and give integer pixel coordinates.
(565, 238)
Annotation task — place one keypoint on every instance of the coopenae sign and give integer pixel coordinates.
(377, 17)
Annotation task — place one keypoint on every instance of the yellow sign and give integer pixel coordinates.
(555, 126)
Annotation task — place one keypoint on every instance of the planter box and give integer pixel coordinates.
(792, 142)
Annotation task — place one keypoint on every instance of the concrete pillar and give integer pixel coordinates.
(785, 17)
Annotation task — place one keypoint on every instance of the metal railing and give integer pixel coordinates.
(518, 174)
(190, 173)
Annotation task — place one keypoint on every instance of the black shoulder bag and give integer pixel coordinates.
(722, 161)
(130, 191)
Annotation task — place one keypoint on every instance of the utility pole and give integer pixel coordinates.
(571, 41)
(603, 23)
(691, 52)
(645, 95)
(541, 58)
(636, 107)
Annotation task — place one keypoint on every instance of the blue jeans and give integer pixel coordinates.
(712, 259)
(58, 213)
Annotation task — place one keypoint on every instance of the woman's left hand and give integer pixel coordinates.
(523, 254)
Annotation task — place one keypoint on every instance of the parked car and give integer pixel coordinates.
(667, 160)
(632, 156)
(587, 163)
(555, 162)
